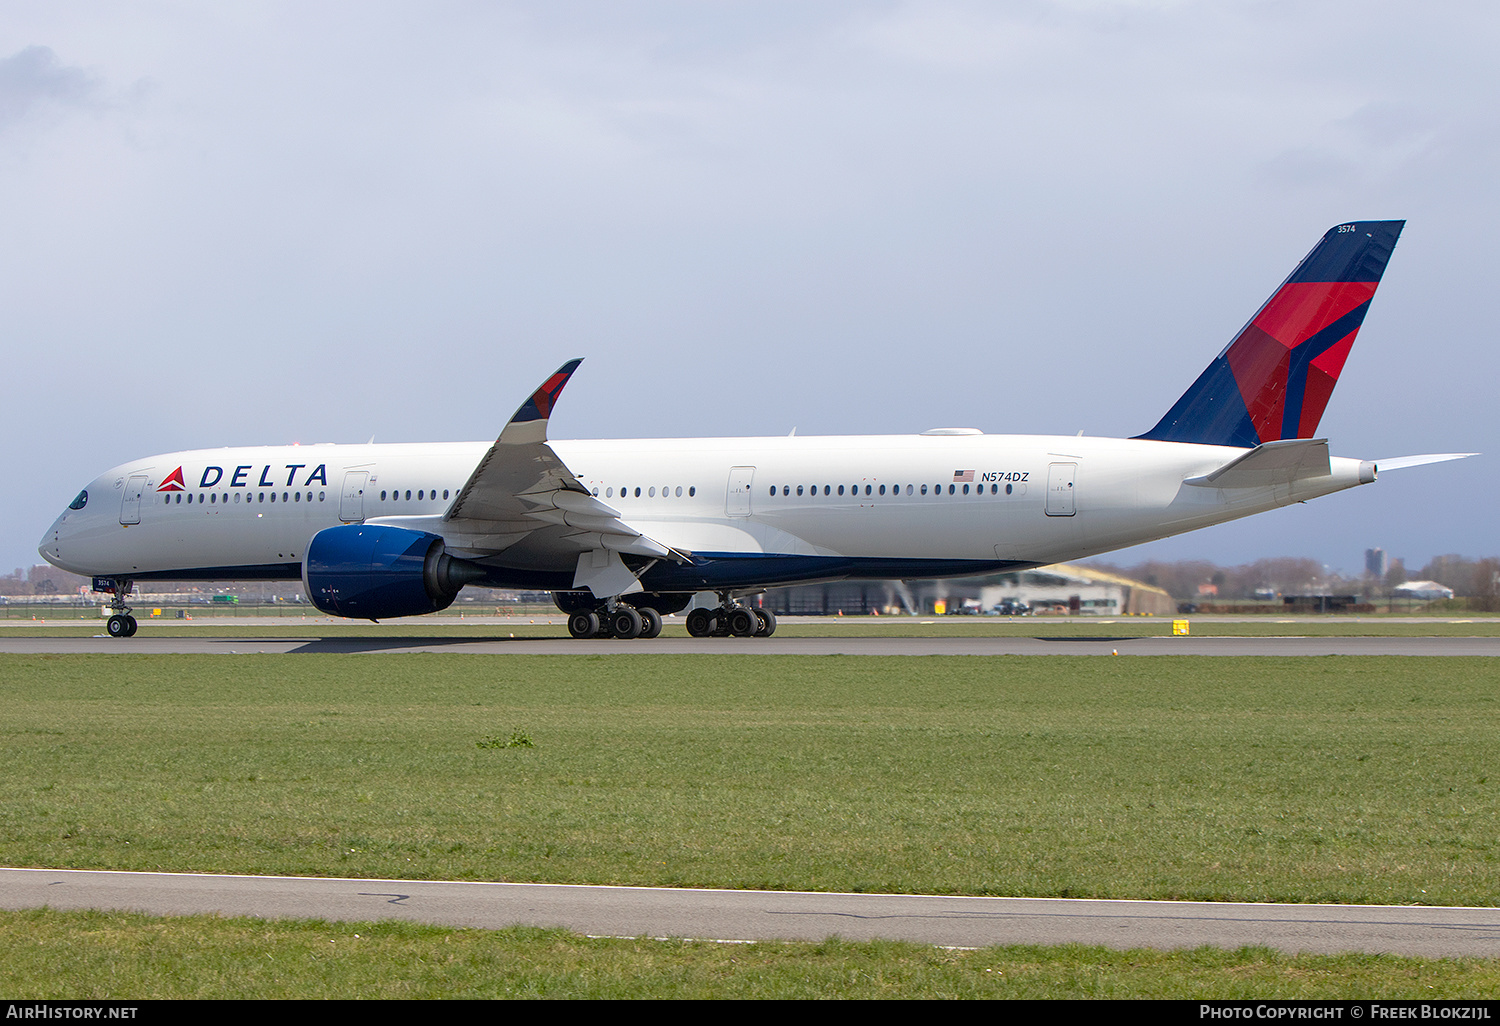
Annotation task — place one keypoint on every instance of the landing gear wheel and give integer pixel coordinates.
(650, 623)
(119, 626)
(583, 625)
(743, 622)
(625, 622)
(130, 626)
(767, 622)
(700, 623)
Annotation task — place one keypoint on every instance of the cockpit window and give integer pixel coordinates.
(81, 501)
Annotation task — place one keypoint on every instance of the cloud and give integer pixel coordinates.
(34, 79)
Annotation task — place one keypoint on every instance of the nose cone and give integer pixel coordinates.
(50, 547)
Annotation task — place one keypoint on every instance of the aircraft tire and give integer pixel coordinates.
(742, 622)
(583, 624)
(117, 626)
(767, 622)
(650, 623)
(130, 626)
(700, 623)
(625, 622)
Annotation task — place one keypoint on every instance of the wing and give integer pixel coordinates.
(522, 487)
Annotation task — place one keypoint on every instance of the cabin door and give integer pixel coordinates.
(352, 502)
(130, 509)
(738, 502)
(1060, 479)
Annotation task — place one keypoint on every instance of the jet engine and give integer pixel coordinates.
(373, 572)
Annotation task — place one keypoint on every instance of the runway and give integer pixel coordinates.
(728, 915)
(145, 644)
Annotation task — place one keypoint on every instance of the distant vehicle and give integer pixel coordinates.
(1013, 607)
(625, 531)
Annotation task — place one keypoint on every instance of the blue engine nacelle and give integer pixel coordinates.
(373, 572)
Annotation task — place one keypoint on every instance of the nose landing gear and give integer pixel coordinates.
(120, 624)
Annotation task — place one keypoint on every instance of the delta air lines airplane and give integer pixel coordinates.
(622, 532)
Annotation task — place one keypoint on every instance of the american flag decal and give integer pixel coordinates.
(963, 475)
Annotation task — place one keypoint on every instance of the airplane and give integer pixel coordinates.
(623, 532)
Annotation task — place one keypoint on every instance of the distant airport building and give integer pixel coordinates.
(1376, 564)
(1427, 591)
(1061, 588)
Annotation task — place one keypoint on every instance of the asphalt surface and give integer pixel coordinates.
(144, 643)
(775, 915)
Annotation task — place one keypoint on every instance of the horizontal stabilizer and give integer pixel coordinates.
(1274, 463)
(1402, 462)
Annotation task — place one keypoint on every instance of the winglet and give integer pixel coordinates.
(529, 424)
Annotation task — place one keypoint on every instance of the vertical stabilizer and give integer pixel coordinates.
(1274, 380)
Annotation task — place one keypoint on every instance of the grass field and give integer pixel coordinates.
(1319, 779)
(1331, 779)
(125, 956)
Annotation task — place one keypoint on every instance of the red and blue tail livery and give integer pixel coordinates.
(1274, 380)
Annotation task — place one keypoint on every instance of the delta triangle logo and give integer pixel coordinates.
(173, 482)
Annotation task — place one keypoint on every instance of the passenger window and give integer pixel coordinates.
(799, 489)
(841, 489)
(692, 491)
(609, 493)
(867, 489)
(882, 489)
(679, 491)
(637, 493)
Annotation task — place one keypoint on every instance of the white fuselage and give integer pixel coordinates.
(912, 498)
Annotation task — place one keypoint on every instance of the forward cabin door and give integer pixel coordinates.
(130, 509)
(738, 502)
(352, 503)
(1060, 479)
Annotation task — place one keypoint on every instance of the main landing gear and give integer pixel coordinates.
(731, 619)
(624, 621)
(618, 618)
(120, 624)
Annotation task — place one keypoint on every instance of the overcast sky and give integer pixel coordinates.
(262, 223)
